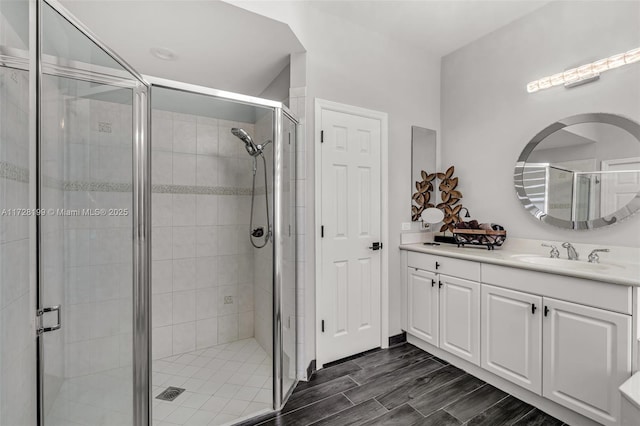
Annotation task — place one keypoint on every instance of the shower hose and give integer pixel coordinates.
(266, 201)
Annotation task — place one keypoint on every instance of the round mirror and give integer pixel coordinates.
(582, 172)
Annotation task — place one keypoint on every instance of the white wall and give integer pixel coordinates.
(278, 89)
(353, 65)
(488, 116)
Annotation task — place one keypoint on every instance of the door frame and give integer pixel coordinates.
(321, 105)
(141, 198)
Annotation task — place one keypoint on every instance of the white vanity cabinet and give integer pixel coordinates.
(561, 343)
(512, 336)
(444, 310)
(460, 317)
(422, 318)
(587, 356)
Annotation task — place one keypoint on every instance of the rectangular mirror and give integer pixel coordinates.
(423, 158)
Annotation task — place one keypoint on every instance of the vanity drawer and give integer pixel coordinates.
(445, 265)
(612, 297)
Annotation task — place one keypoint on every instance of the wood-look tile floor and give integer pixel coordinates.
(403, 386)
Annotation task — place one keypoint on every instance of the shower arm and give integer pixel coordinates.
(262, 146)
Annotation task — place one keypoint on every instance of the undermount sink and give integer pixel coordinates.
(564, 263)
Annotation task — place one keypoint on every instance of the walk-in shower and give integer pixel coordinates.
(125, 264)
(220, 281)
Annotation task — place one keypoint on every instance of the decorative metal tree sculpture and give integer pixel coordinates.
(448, 193)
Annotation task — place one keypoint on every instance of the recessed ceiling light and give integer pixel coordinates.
(162, 53)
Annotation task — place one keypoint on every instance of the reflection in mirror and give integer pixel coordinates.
(582, 172)
(423, 156)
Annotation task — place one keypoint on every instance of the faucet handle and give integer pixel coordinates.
(593, 256)
(554, 254)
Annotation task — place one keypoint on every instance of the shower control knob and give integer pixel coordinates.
(258, 232)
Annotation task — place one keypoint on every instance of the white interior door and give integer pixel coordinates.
(619, 188)
(349, 307)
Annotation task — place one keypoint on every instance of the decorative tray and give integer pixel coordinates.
(479, 237)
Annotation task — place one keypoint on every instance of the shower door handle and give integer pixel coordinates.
(40, 313)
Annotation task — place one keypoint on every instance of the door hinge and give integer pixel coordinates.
(321, 231)
(322, 325)
(321, 136)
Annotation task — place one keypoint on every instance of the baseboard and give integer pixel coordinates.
(311, 369)
(397, 339)
(349, 358)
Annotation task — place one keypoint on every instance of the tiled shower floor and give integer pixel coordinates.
(224, 384)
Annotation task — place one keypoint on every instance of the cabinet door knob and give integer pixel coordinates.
(439, 284)
(546, 311)
(433, 282)
(437, 265)
(533, 308)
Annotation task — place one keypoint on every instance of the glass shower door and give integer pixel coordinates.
(90, 115)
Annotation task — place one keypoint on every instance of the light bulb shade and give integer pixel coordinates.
(632, 56)
(585, 71)
(600, 66)
(533, 87)
(557, 79)
(616, 61)
(570, 75)
(544, 83)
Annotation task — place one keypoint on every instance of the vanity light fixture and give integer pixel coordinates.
(585, 73)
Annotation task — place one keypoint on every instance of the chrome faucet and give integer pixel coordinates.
(572, 254)
(593, 256)
(554, 253)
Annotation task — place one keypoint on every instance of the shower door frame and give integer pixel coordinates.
(279, 110)
(141, 202)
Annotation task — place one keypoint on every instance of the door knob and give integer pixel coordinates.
(376, 246)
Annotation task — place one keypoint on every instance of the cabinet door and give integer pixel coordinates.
(423, 305)
(587, 356)
(460, 317)
(512, 336)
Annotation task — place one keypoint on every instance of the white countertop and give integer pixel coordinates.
(631, 389)
(617, 272)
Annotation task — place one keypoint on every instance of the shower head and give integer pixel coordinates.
(246, 138)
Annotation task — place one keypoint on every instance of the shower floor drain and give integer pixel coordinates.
(170, 393)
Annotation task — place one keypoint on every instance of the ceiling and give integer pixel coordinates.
(226, 47)
(437, 27)
(211, 40)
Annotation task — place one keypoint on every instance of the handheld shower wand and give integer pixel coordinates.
(255, 151)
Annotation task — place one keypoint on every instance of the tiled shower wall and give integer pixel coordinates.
(17, 349)
(98, 290)
(304, 241)
(202, 277)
